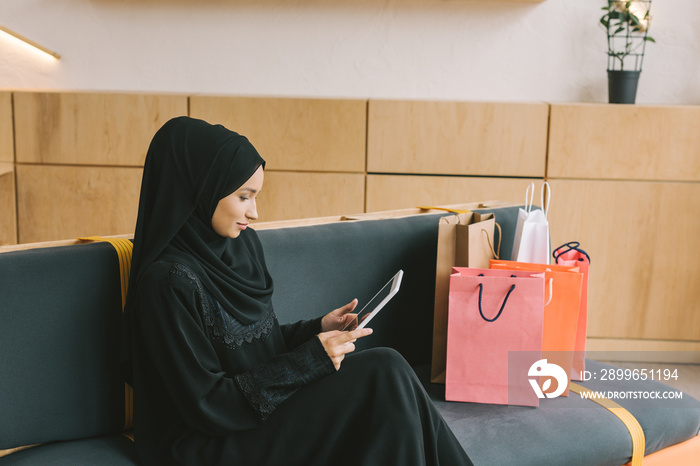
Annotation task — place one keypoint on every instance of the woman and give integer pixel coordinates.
(216, 379)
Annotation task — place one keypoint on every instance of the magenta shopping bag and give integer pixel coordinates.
(492, 313)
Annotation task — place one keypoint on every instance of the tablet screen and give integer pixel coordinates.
(379, 300)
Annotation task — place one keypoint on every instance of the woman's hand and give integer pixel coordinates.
(341, 318)
(337, 343)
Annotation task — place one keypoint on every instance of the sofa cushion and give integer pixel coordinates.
(566, 430)
(112, 450)
(319, 268)
(59, 341)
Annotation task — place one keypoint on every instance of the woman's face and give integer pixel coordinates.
(235, 211)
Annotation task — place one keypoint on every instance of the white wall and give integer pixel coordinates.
(411, 49)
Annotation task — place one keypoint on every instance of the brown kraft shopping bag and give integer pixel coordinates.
(464, 240)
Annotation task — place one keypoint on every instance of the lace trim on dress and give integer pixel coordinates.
(269, 385)
(230, 332)
(223, 328)
(262, 404)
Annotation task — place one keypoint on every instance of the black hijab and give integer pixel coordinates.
(190, 166)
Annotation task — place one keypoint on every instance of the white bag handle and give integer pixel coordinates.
(551, 290)
(545, 188)
(529, 197)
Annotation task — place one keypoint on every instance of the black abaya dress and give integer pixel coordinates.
(212, 391)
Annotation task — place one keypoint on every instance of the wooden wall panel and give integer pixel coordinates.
(90, 129)
(294, 134)
(644, 279)
(292, 195)
(62, 202)
(8, 208)
(387, 192)
(461, 138)
(624, 142)
(7, 149)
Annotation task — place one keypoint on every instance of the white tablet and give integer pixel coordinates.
(379, 300)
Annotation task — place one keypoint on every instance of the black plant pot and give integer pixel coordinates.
(622, 86)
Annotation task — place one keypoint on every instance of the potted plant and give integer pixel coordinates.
(627, 27)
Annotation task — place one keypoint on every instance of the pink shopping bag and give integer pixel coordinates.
(570, 254)
(493, 313)
(562, 294)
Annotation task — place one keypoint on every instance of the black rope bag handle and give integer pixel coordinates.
(571, 246)
(481, 289)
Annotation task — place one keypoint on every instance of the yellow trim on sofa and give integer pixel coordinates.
(9, 451)
(638, 439)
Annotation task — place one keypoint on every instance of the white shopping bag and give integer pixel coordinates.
(531, 242)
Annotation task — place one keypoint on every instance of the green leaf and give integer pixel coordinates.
(650, 39)
(635, 20)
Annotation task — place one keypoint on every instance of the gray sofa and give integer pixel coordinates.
(60, 385)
